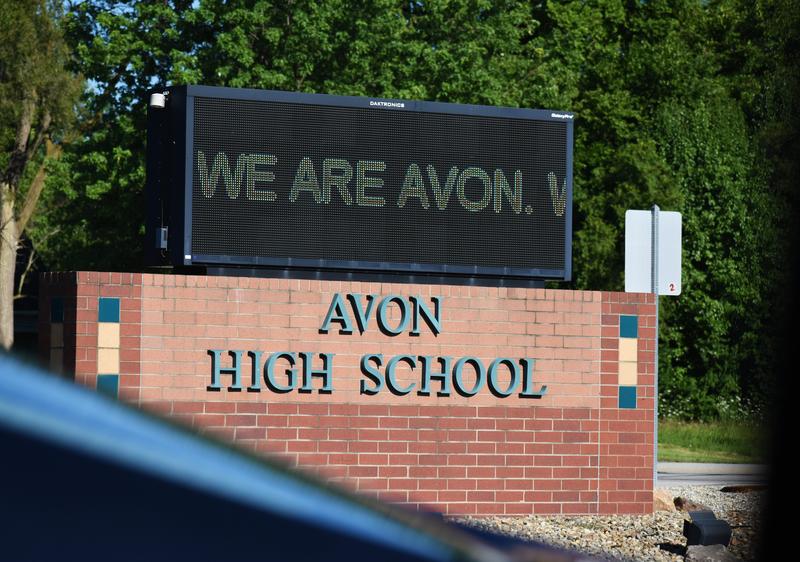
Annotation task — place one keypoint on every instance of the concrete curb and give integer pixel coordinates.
(711, 468)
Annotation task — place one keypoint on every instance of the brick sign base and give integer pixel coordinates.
(452, 442)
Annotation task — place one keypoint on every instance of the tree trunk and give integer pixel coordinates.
(9, 239)
(19, 156)
(9, 228)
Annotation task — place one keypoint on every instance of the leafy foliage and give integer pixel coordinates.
(37, 97)
(678, 103)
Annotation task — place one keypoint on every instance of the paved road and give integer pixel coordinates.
(675, 474)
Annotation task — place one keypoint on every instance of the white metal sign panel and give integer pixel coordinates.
(639, 251)
(638, 267)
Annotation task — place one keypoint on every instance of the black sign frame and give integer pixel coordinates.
(170, 183)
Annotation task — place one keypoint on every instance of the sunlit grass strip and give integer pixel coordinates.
(723, 441)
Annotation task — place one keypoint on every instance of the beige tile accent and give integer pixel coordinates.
(627, 373)
(57, 360)
(57, 335)
(628, 348)
(108, 335)
(107, 361)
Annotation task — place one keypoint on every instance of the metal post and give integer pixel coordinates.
(654, 287)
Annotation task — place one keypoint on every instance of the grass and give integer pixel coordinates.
(721, 441)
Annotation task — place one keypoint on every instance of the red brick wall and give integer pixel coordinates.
(572, 451)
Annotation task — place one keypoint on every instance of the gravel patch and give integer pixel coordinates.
(656, 537)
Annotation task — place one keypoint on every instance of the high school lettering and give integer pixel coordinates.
(437, 375)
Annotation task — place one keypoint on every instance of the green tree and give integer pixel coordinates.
(713, 131)
(37, 95)
(460, 51)
(662, 118)
(760, 48)
(590, 52)
(678, 103)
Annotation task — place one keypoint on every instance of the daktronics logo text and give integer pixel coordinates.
(562, 115)
(386, 103)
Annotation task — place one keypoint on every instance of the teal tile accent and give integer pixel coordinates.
(108, 384)
(56, 309)
(629, 326)
(627, 397)
(108, 309)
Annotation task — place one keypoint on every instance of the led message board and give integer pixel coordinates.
(249, 178)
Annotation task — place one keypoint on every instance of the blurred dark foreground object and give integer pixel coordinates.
(88, 478)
